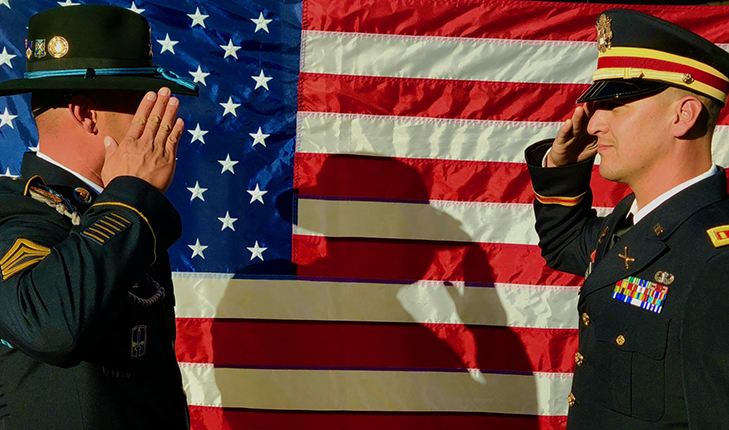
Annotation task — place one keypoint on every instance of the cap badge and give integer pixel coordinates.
(40, 48)
(28, 48)
(604, 33)
(58, 46)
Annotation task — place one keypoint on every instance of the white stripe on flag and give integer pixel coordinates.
(417, 137)
(381, 391)
(439, 220)
(529, 306)
(458, 58)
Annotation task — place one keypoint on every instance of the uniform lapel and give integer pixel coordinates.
(647, 240)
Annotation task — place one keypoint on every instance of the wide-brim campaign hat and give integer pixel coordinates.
(639, 54)
(90, 47)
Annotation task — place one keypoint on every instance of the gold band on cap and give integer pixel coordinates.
(651, 64)
(619, 51)
(677, 79)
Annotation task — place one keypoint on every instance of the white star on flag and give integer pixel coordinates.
(198, 134)
(261, 23)
(230, 49)
(199, 76)
(8, 174)
(230, 107)
(257, 194)
(5, 2)
(197, 249)
(197, 18)
(68, 3)
(259, 137)
(227, 164)
(227, 221)
(257, 251)
(6, 118)
(261, 80)
(5, 57)
(135, 9)
(197, 191)
(168, 44)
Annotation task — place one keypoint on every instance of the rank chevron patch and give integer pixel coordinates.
(22, 254)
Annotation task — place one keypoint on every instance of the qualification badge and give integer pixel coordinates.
(604, 33)
(641, 293)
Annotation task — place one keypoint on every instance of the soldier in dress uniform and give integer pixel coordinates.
(86, 300)
(654, 308)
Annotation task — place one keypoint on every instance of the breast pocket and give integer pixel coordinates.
(630, 365)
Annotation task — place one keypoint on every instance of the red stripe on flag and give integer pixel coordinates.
(531, 20)
(438, 98)
(203, 417)
(411, 179)
(347, 345)
(410, 260)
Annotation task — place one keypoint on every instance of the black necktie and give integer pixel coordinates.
(620, 229)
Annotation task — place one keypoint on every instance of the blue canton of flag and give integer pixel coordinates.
(235, 160)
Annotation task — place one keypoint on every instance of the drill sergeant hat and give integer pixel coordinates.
(640, 54)
(90, 47)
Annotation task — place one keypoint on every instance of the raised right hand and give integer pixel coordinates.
(573, 144)
(149, 149)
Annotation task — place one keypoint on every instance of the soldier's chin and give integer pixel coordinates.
(609, 172)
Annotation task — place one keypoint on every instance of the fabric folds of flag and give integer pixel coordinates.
(377, 265)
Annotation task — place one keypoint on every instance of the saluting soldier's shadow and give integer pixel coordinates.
(449, 309)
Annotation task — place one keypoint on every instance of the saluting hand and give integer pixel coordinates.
(149, 149)
(573, 144)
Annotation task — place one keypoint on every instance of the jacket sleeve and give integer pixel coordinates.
(565, 221)
(705, 346)
(61, 289)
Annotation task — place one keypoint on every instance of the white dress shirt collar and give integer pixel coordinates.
(85, 180)
(640, 214)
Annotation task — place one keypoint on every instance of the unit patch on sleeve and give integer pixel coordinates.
(719, 235)
(24, 253)
(641, 293)
(106, 228)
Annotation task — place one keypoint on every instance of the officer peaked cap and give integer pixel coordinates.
(640, 54)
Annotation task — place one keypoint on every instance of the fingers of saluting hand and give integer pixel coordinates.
(170, 145)
(139, 122)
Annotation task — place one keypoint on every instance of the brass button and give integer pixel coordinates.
(620, 340)
(585, 319)
(579, 359)
(571, 400)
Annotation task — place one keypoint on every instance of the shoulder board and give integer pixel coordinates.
(719, 235)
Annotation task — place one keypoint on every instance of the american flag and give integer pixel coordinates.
(358, 247)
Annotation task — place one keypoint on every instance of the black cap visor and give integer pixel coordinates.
(620, 89)
(132, 83)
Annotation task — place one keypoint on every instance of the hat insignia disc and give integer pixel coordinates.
(58, 46)
(604, 33)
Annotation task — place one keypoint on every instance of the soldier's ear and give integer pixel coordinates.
(80, 109)
(688, 112)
